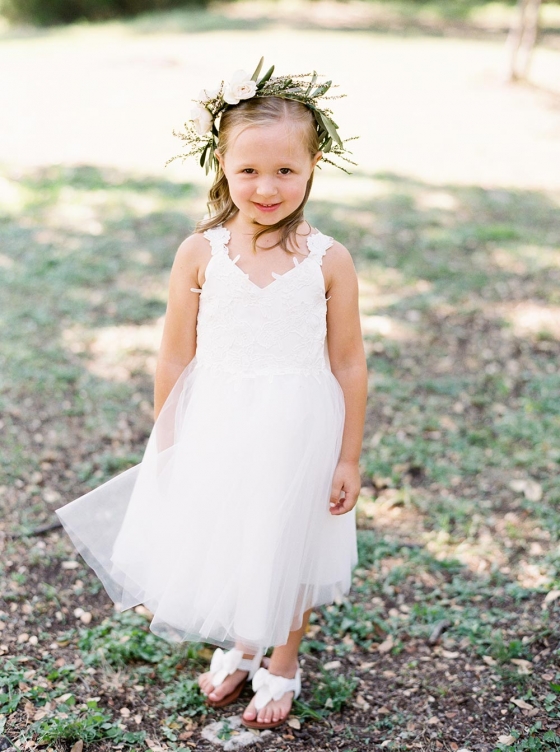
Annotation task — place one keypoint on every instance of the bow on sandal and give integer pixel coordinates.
(271, 687)
(224, 664)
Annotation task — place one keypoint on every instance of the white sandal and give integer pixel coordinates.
(269, 687)
(224, 664)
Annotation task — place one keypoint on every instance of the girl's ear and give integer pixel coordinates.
(316, 158)
(220, 158)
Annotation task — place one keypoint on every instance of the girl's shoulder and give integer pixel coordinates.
(193, 245)
(338, 264)
(193, 252)
(191, 257)
(336, 252)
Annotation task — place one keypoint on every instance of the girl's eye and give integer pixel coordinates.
(285, 170)
(248, 171)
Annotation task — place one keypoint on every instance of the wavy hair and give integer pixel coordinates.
(260, 111)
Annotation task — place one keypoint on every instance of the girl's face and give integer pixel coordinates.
(267, 168)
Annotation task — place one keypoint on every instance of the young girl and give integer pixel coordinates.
(239, 519)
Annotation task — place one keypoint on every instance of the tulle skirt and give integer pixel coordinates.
(223, 530)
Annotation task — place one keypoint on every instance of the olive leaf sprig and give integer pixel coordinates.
(201, 131)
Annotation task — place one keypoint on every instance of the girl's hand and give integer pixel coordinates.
(346, 481)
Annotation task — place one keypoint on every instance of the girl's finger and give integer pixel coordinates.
(336, 494)
(337, 499)
(346, 503)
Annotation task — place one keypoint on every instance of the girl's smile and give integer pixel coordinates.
(267, 207)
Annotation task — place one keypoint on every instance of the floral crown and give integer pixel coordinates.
(201, 132)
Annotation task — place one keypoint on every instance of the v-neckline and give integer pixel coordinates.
(277, 277)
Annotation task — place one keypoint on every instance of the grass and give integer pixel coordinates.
(451, 422)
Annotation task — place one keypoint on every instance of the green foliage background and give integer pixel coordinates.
(47, 12)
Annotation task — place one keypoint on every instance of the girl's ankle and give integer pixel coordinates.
(285, 668)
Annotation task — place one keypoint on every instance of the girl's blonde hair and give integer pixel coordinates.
(260, 111)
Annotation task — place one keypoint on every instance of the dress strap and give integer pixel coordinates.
(218, 237)
(318, 245)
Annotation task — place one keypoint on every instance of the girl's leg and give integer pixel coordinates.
(283, 662)
(227, 686)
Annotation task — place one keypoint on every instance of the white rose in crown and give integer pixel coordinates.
(240, 87)
(202, 119)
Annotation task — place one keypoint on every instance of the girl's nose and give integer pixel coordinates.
(266, 188)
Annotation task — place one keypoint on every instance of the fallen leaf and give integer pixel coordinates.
(86, 617)
(433, 721)
(506, 739)
(549, 598)
(522, 704)
(294, 723)
(366, 666)
(78, 747)
(386, 645)
(528, 487)
(154, 746)
(70, 564)
(331, 665)
(41, 713)
(63, 698)
(489, 660)
(449, 654)
(525, 667)
(125, 712)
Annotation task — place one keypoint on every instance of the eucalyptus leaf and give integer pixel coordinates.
(321, 90)
(331, 128)
(266, 76)
(203, 155)
(255, 75)
(311, 84)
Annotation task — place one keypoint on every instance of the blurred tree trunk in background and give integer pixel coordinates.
(522, 37)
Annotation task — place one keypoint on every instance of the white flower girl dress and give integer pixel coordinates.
(223, 530)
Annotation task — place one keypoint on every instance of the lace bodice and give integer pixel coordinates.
(248, 330)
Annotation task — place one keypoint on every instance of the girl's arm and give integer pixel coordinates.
(178, 343)
(348, 364)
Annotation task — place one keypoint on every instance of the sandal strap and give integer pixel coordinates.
(272, 687)
(251, 665)
(225, 663)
